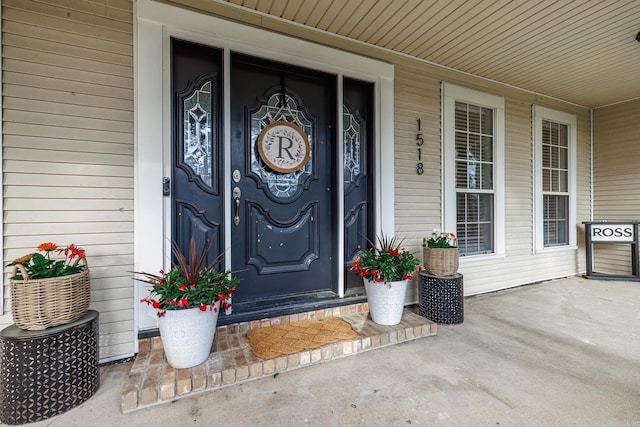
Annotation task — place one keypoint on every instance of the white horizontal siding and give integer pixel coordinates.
(68, 145)
(418, 197)
(616, 133)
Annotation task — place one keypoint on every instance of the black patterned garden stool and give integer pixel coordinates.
(45, 373)
(441, 298)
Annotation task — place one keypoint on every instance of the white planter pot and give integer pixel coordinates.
(386, 301)
(187, 335)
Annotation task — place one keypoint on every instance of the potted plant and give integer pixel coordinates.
(47, 290)
(440, 253)
(188, 298)
(386, 269)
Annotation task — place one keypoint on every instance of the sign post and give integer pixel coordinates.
(608, 232)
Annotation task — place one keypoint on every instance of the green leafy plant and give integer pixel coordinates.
(386, 262)
(440, 239)
(41, 264)
(190, 283)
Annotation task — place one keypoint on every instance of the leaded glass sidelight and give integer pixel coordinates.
(352, 144)
(197, 151)
(281, 185)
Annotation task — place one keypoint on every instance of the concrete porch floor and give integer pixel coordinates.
(560, 353)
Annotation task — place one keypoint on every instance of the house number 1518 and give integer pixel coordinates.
(419, 143)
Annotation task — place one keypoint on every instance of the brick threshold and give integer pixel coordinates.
(152, 381)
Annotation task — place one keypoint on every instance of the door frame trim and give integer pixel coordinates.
(155, 24)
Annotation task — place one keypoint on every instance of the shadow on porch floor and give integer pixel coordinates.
(152, 381)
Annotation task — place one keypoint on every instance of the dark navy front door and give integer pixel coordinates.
(284, 227)
(284, 224)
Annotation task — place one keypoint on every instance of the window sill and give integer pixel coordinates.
(481, 257)
(555, 249)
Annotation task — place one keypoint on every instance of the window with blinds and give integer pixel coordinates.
(474, 169)
(555, 183)
(554, 135)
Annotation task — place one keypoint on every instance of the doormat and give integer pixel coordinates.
(279, 340)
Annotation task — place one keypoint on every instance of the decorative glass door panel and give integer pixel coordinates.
(197, 142)
(280, 185)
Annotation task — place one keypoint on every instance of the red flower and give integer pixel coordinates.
(394, 252)
(161, 313)
(203, 307)
(182, 287)
(72, 251)
(222, 297)
(155, 304)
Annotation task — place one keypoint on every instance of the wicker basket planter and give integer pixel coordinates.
(42, 303)
(441, 261)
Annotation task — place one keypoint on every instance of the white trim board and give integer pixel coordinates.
(1, 171)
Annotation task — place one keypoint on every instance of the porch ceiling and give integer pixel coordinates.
(581, 51)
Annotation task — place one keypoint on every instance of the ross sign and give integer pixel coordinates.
(612, 233)
(283, 146)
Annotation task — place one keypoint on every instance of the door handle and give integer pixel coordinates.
(236, 200)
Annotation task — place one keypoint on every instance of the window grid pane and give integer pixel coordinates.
(474, 147)
(556, 220)
(475, 223)
(474, 141)
(555, 157)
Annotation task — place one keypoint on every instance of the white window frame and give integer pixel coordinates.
(1, 172)
(450, 94)
(538, 115)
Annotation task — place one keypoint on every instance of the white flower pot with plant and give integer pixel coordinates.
(188, 298)
(386, 270)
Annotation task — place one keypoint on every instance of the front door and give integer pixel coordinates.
(284, 222)
(284, 227)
